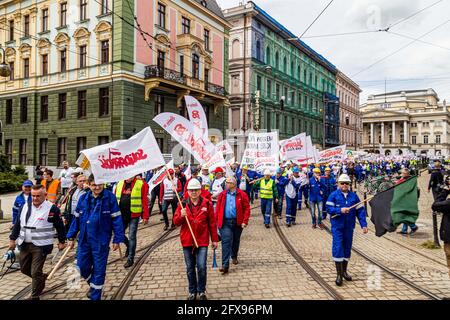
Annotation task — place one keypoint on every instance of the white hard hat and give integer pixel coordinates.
(344, 178)
(79, 170)
(194, 184)
(267, 172)
(205, 167)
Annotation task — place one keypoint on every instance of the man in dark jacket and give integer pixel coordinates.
(232, 214)
(444, 207)
(436, 179)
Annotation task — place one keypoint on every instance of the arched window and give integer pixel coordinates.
(292, 69)
(195, 66)
(236, 49)
(258, 50)
(285, 65)
(298, 72)
(277, 60)
(268, 57)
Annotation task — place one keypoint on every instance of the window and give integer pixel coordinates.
(206, 38)
(63, 14)
(160, 142)
(83, 53)
(292, 102)
(258, 50)
(390, 139)
(277, 121)
(9, 111)
(268, 55)
(26, 26)
(347, 121)
(161, 61)
(82, 104)
(23, 110)
(62, 150)
(258, 83)
(425, 124)
(8, 149)
(413, 139)
(63, 60)
(44, 20)
(83, 12)
(285, 124)
(105, 51)
(277, 91)
(206, 78)
(182, 65)
(425, 139)
(159, 104)
(438, 139)
(105, 7)
(268, 121)
(277, 60)
(23, 151)
(161, 15)
(44, 64)
(104, 102)
(11, 30)
(62, 104)
(81, 145)
(43, 152)
(185, 25)
(195, 66)
(26, 68)
(285, 65)
(269, 89)
(414, 125)
(11, 75)
(103, 140)
(402, 138)
(44, 108)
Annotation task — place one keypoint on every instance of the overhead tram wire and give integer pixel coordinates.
(421, 41)
(413, 15)
(400, 49)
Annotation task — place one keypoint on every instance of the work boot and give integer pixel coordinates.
(129, 263)
(192, 296)
(288, 225)
(234, 260)
(414, 230)
(166, 227)
(294, 223)
(321, 226)
(267, 226)
(202, 296)
(339, 272)
(344, 271)
(224, 270)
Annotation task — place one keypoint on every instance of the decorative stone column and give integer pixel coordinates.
(394, 139)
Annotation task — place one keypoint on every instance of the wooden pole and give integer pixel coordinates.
(359, 203)
(181, 205)
(58, 264)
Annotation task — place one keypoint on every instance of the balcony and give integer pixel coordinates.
(215, 89)
(164, 73)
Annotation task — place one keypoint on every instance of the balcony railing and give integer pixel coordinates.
(164, 73)
(215, 89)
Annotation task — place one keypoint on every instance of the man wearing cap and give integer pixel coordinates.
(217, 185)
(200, 214)
(343, 221)
(168, 195)
(232, 215)
(436, 179)
(204, 178)
(330, 186)
(244, 181)
(316, 192)
(304, 188)
(21, 199)
(292, 194)
(269, 193)
(281, 183)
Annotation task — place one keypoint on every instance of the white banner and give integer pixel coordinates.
(262, 152)
(197, 117)
(293, 148)
(188, 172)
(158, 177)
(122, 159)
(183, 132)
(224, 148)
(335, 154)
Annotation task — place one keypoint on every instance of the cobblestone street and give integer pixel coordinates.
(266, 269)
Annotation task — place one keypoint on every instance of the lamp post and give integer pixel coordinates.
(5, 70)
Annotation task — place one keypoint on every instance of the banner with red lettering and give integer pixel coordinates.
(183, 131)
(335, 154)
(123, 159)
(262, 152)
(310, 153)
(159, 176)
(224, 148)
(293, 148)
(197, 117)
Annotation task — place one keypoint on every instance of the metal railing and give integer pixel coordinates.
(164, 73)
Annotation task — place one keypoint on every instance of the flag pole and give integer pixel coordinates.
(359, 203)
(181, 204)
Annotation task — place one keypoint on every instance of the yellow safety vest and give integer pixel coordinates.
(266, 189)
(136, 195)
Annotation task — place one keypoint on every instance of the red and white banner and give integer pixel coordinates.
(335, 154)
(224, 147)
(310, 153)
(197, 117)
(158, 177)
(183, 132)
(122, 159)
(188, 172)
(262, 152)
(293, 148)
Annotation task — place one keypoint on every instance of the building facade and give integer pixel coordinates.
(350, 130)
(83, 74)
(399, 122)
(276, 82)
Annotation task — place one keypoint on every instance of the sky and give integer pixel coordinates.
(405, 65)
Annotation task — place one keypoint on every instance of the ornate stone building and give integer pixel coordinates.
(402, 121)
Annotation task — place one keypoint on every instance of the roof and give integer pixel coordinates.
(212, 6)
(327, 63)
(405, 91)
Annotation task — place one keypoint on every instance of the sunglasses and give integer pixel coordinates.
(345, 183)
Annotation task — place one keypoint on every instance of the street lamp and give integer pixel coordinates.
(5, 70)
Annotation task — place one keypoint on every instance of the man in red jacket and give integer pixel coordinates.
(233, 213)
(200, 213)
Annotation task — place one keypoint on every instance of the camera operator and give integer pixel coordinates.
(443, 205)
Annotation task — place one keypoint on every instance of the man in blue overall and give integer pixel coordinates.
(97, 216)
(343, 221)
